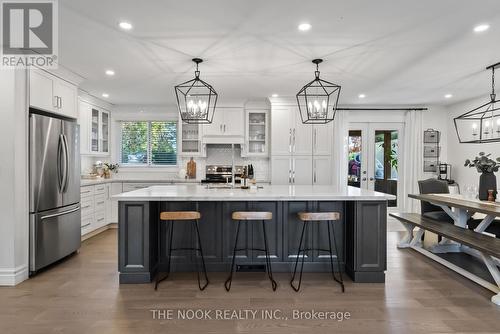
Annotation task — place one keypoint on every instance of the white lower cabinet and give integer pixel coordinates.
(112, 208)
(322, 170)
(97, 207)
(293, 170)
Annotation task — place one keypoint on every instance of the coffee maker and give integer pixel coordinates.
(444, 173)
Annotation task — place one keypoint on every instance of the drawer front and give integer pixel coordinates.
(100, 189)
(87, 221)
(100, 203)
(86, 191)
(87, 206)
(100, 219)
(135, 186)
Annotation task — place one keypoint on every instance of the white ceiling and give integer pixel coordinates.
(394, 51)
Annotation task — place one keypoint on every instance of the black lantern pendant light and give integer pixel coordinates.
(196, 99)
(318, 99)
(481, 124)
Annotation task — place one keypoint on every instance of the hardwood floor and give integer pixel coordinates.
(82, 295)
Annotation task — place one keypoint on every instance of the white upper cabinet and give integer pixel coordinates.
(216, 127)
(233, 122)
(281, 131)
(227, 123)
(289, 134)
(301, 135)
(300, 153)
(95, 125)
(189, 139)
(52, 94)
(85, 112)
(322, 139)
(256, 133)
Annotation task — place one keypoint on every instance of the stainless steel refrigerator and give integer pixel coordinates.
(54, 181)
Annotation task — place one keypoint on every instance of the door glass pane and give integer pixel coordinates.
(95, 130)
(354, 158)
(386, 163)
(256, 132)
(105, 131)
(190, 138)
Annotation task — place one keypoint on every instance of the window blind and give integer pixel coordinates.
(148, 143)
(163, 143)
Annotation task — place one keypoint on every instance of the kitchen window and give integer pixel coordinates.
(148, 143)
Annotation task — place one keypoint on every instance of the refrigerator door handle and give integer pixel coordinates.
(60, 149)
(60, 213)
(66, 163)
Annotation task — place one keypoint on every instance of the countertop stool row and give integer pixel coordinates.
(245, 217)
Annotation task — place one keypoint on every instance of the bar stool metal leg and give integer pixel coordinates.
(229, 280)
(200, 248)
(169, 256)
(341, 281)
(297, 261)
(268, 260)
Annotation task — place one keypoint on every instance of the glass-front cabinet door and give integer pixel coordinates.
(94, 131)
(104, 132)
(190, 139)
(257, 139)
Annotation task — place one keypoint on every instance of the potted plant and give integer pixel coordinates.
(108, 168)
(487, 167)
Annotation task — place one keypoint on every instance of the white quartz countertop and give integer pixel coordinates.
(101, 180)
(196, 192)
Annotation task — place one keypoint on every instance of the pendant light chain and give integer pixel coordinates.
(493, 95)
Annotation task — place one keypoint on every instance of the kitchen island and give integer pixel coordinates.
(360, 233)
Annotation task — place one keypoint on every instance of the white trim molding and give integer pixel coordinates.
(13, 276)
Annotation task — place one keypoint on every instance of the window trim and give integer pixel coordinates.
(148, 165)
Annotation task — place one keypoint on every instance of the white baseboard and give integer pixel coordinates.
(13, 276)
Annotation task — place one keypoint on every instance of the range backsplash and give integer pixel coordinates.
(220, 154)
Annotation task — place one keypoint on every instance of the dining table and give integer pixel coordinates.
(461, 209)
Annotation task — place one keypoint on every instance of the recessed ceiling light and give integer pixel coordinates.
(448, 96)
(274, 95)
(481, 27)
(105, 95)
(304, 26)
(125, 25)
(361, 96)
(110, 72)
(141, 110)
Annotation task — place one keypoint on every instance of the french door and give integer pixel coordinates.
(375, 159)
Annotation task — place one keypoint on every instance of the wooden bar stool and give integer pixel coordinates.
(181, 216)
(311, 217)
(252, 216)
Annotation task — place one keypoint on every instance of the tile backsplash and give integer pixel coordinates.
(220, 154)
(216, 155)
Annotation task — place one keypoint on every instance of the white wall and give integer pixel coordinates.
(13, 177)
(459, 152)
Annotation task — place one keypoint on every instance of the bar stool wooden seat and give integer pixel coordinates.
(251, 216)
(181, 216)
(317, 217)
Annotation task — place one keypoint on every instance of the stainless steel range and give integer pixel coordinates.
(222, 174)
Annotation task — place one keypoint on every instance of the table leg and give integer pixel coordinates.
(407, 238)
(485, 223)
(490, 264)
(460, 217)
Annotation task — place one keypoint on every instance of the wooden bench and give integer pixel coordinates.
(483, 243)
(487, 247)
